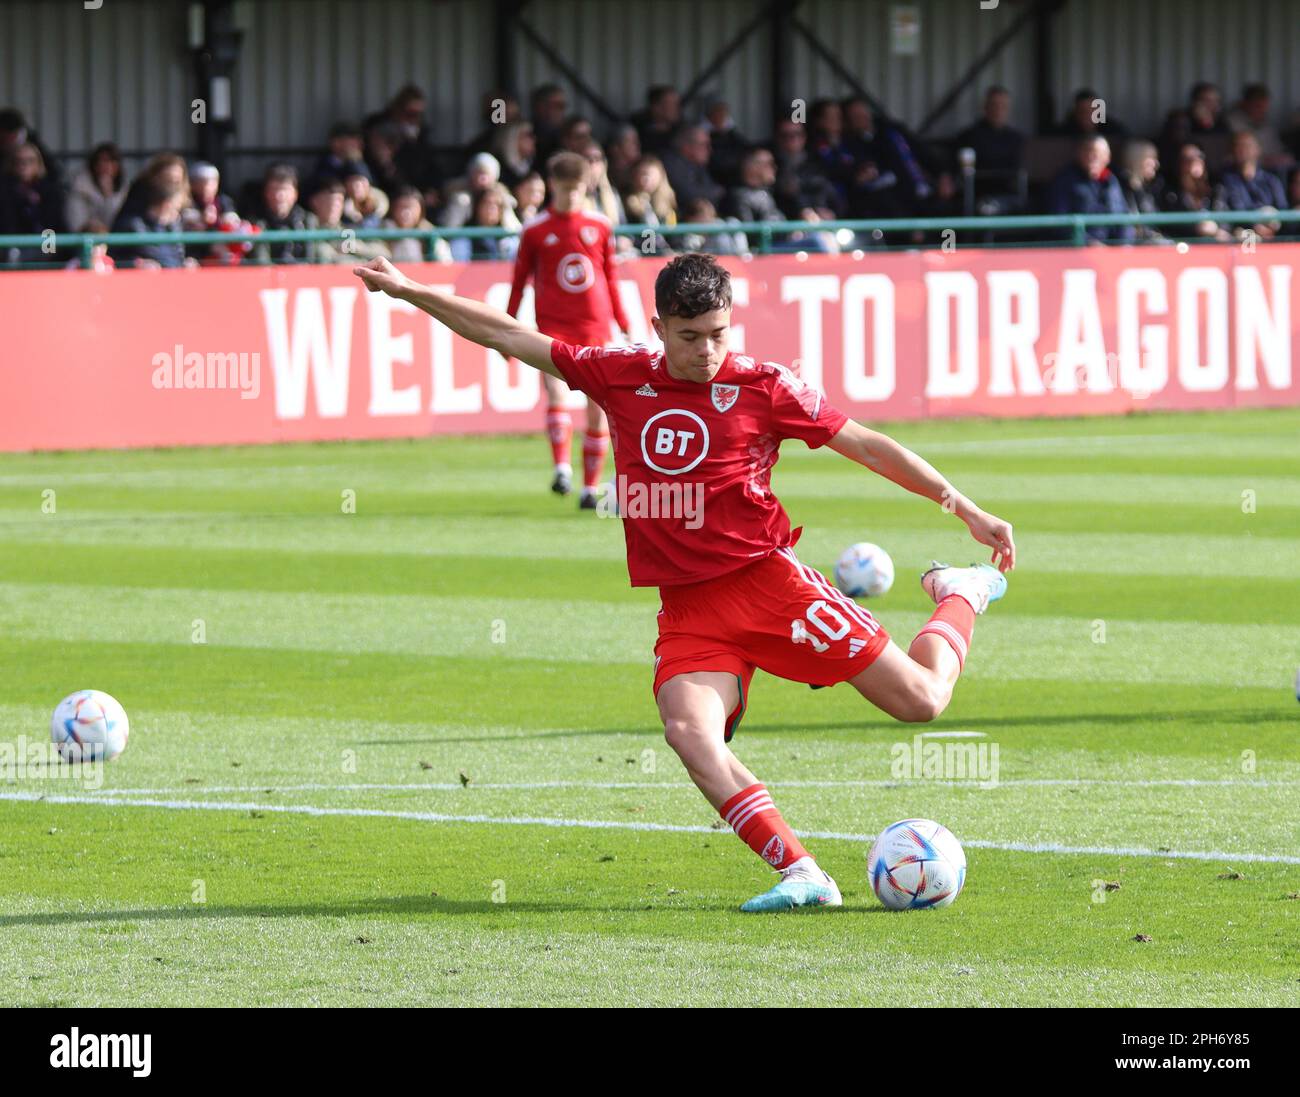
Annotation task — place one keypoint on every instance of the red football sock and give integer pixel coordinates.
(594, 448)
(953, 620)
(559, 429)
(754, 818)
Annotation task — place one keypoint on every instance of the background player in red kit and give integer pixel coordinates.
(695, 420)
(568, 252)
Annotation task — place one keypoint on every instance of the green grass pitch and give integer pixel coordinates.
(415, 759)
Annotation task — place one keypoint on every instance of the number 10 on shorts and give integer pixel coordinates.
(819, 614)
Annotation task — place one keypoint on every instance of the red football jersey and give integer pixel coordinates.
(570, 257)
(694, 461)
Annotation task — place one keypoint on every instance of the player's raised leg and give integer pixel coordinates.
(559, 432)
(917, 685)
(695, 707)
(595, 444)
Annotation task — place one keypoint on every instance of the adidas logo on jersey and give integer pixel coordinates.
(646, 390)
(550, 239)
(856, 644)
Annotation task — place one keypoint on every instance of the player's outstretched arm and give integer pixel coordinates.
(473, 320)
(895, 462)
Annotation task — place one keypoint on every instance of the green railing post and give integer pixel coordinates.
(87, 252)
(1080, 232)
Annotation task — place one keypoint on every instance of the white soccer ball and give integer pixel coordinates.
(864, 570)
(89, 726)
(916, 864)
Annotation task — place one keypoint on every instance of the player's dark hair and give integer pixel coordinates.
(691, 285)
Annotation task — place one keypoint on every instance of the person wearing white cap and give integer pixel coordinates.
(208, 205)
(482, 173)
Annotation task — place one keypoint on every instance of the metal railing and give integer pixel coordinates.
(770, 236)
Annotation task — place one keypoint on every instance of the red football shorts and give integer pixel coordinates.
(777, 614)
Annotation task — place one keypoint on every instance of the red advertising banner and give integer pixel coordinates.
(268, 354)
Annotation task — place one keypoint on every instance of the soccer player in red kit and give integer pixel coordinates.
(696, 432)
(568, 252)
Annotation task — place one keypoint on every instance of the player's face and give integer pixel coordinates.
(568, 196)
(695, 347)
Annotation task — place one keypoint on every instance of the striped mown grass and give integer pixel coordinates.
(381, 698)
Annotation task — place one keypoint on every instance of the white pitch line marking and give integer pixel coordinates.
(611, 824)
(678, 786)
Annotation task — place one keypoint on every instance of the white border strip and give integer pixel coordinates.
(610, 824)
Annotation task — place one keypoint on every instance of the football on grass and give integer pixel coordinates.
(89, 726)
(916, 863)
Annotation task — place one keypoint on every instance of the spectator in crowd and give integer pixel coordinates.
(548, 108)
(159, 211)
(278, 210)
(530, 196)
(800, 183)
(364, 204)
(500, 109)
(1291, 229)
(623, 150)
(515, 147)
(999, 153)
(207, 203)
(31, 201)
(326, 204)
(414, 158)
(701, 212)
(576, 134)
(1142, 186)
(727, 146)
(1251, 115)
(15, 131)
(381, 144)
(490, 211)
(754, 200)
(1090, 115)
(1089, 187)
(657, 124)
(1202, 117)
(483, 174)
(1291, 135)
(98, 191)
(167, 168)
(888, 172)
(687, 166)
(346, 147)
(651, 200)
(1247, 186)
(601, 195)
(1190, 191)
(407, 212)
(207, 210)
(827, 146)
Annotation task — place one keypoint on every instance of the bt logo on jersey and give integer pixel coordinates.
(674, 441)
(575, 273)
